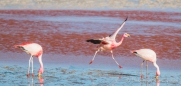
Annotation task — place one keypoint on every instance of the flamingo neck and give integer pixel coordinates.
(41, 70)
(120, 42)
(157, 69)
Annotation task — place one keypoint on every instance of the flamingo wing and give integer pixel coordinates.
(97, 41)
(94, 41)
(113, 36)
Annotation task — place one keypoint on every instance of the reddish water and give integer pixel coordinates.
(65, 31)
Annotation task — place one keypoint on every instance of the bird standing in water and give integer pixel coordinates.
(147, 55)
(34, 50)
(108, 43)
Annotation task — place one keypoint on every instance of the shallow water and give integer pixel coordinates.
(15, 75)
(62, 34)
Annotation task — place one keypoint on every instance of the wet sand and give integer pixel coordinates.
(62, 34)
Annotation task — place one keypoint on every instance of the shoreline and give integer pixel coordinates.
(82, 62)
(97, 4)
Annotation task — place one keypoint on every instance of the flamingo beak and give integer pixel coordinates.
(15, 46)
(39, 74)
(128, 35)
(156, 77)
(131, 51)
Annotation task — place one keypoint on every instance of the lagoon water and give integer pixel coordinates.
(62, 33)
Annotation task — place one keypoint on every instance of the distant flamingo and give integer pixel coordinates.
(148, 55)
(108, 43)
(34, 50)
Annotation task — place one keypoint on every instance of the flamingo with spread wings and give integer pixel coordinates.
(109, 43)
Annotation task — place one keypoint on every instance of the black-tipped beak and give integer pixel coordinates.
(128, 35)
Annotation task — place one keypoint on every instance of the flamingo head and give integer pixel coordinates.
(16, 46)
(133, 51)
(157, 74)
(126, 35)
(40, 72)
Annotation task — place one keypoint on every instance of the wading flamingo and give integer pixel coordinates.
(108, 43)
(147, 55)
(34, 50)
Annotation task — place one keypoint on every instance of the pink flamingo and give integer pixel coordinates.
(148, 55)
(108, 43)
(34, 50)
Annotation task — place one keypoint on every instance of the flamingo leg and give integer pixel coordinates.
(146, 69)
(115, 60)
(94, 56)
(32, 66)
(29, 66)
(141, 69)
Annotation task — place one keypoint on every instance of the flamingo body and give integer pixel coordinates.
(34, 50)
(109, 43)
(148, 55)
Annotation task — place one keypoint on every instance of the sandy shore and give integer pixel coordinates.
(92, 4)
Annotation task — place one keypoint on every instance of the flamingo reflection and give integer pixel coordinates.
(32, 83)
(147, 82)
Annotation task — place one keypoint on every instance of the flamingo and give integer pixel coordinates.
(34, 50)
(108, 43)
(147, 55)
